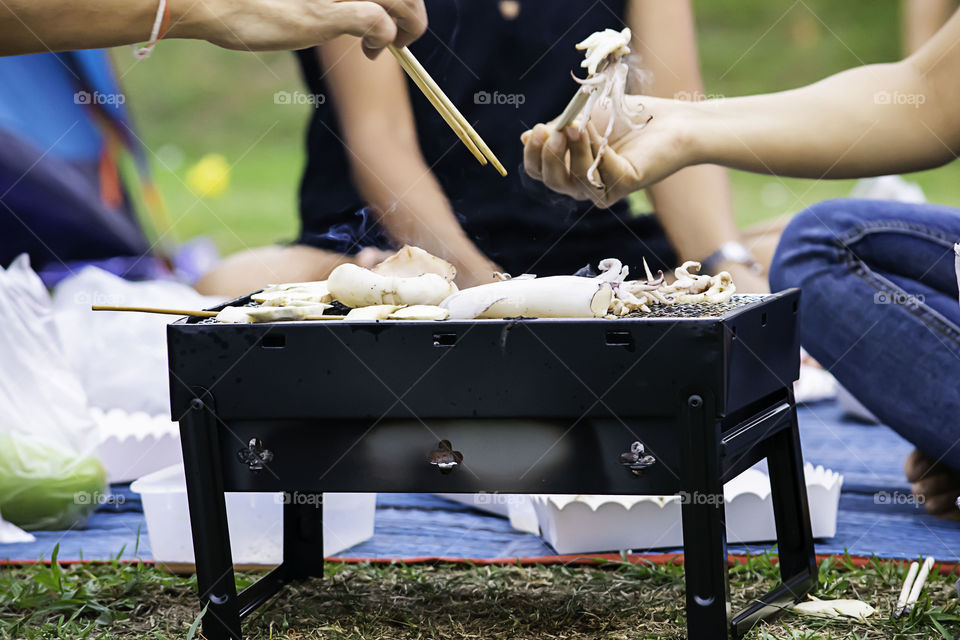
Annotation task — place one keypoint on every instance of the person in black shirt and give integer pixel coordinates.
(384, 170)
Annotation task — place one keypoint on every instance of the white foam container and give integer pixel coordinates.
(255, 520)
(135, 444)
(593, 524)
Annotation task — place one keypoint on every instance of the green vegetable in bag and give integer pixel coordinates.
(43, 487)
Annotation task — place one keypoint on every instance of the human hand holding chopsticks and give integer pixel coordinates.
(297, 24)
(33, 26)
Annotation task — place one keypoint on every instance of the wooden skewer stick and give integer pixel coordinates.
(409, 58)
(435, 101)
(574, 107)
(169, 312)
(578, 102)
(186, 312)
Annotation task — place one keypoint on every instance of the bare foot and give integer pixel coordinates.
(936, 483)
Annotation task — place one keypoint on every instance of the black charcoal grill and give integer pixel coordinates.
(679, 400)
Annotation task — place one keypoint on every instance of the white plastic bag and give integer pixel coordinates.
(121, 358)
(49, 478)
(11, 533)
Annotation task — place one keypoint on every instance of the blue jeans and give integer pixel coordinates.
(879, 310)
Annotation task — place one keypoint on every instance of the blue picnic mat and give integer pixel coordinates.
(870, 522)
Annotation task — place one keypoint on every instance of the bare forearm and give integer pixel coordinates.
(33, 26)
(867, 121)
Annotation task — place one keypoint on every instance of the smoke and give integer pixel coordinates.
(351, 237)
(561, 204)
(639, 79)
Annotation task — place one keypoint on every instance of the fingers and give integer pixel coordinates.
(917, 465)
(553, 165)
(371, 23)
(383, 22)
(533, 142)
(581, 155)
(942, 505)
(618, 176)
(545, 159)
(936, 483)
(410, 17)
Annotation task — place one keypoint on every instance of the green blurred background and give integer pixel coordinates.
(191, 99)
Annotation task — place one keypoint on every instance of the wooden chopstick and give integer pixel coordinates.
(170, 312)
(422, 72)
(574, 107)
(416, 70)
(578, 102)
(435, 101)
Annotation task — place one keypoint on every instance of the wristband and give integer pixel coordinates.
(160, 25)
(731, 252)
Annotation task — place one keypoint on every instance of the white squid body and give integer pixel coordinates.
(396, 312)
(550, 297)
(294, 294)
(532, 297)
(270, 314)
(358, 287)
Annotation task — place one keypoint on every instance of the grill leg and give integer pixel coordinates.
(208, 517)
(790, 507)
(704, 531)
(303, 538)
(798, 563)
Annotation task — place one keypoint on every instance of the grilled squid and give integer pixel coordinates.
(605, 87)
(688, 287)
(532, 297)
(409, 277)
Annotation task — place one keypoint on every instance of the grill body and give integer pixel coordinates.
(529, 405)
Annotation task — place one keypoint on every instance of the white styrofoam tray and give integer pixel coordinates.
(591, 524)
(255, 520)
(134, 444)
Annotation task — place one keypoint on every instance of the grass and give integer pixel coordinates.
(117, 601)
(191, 99)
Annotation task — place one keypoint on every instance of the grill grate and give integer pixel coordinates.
(690, 310)
(699, 309)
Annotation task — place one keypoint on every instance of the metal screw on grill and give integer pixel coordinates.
(637, 459)
(255, 456)
(444, 457)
